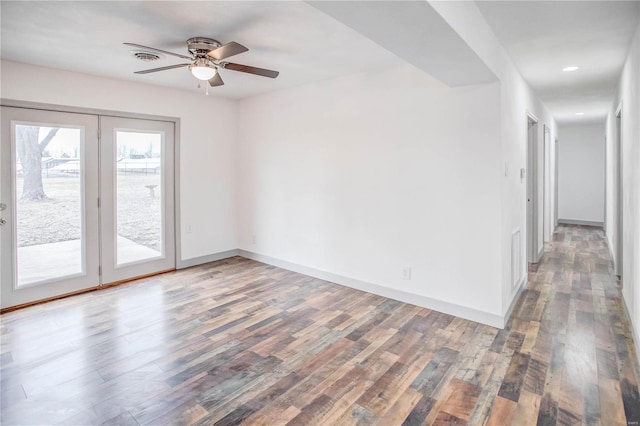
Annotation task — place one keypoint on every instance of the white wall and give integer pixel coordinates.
(363, 175)
(516, 100)
(628, 95)
(581, 173)
(207, 157)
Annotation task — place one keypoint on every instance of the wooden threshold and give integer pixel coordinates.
(83, 291)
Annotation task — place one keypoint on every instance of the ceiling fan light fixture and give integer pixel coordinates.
(202, 70)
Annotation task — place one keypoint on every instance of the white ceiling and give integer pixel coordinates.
(307, 45)
(304, 44)
(543, 37)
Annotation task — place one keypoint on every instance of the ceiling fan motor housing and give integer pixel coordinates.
(200, 46)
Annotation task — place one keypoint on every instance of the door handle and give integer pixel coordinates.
(2, 221)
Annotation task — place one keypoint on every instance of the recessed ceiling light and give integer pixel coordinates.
(579, 113)
(567, 69)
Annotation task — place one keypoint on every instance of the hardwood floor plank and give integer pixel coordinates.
(356, 415)
(260, 401)
(512, 382)
(591, 414)
(526, 412)
(420, 411)
(548, 413)
(462, 400)
(502, 413)
(630, 400)
(534, 380)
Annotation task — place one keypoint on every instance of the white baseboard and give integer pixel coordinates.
(195, 261)
(519, 288)
(580, 222)
(465, 312)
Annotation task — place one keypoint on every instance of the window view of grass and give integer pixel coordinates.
(52, 220)
(138, 191)
(58, 218)
(139, 213)
(49, 210)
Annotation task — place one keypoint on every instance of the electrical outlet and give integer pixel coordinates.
(406, 273)
(253, 240)
(189, 230)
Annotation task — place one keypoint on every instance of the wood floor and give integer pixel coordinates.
(239, 341)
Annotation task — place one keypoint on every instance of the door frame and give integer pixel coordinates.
(619, 204)
(547, 227)
(531, 196)
(555, 184)
(606, 183)
(102, 112)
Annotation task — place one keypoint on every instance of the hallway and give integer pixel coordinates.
(238, 341)
(577, 350)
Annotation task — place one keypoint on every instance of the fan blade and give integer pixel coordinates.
(216, 80)
(250, 70)
(227, 50)
(170, 67)
(158, 50)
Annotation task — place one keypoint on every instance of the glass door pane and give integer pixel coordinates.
(137, 210)
(48, 204)
(139, 215)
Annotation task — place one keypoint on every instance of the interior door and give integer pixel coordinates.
(49, 242)
(137, 197)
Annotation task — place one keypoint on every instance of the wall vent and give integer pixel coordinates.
(516, 258)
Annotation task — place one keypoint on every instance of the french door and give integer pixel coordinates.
(85, 200)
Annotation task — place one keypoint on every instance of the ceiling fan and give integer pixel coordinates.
(206, 58)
